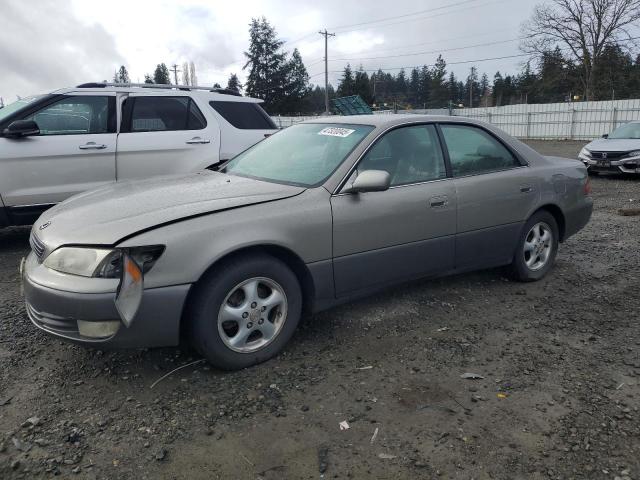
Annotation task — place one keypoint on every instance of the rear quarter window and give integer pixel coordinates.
(244, 115)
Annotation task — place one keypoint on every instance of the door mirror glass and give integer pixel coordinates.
(369, 181)
(21, 128)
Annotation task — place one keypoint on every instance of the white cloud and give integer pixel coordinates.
(46, 44)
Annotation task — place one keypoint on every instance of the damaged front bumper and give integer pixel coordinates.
(91, 317)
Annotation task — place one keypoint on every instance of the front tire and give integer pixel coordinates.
(245, 311)
(537, 248)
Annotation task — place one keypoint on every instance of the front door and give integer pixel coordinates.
(404, 232)
(75, 151)
(165, 134)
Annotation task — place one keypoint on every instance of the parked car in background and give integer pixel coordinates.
(617, 152)
(57, 145)
(324, 211)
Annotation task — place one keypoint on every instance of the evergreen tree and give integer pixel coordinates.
(424, 87)
(297, 83)
(362, 86)
(267, 64)
(439, 94)
(161, 75)
(148, 78)
(233, 83)
(347, 84)
(121, 75)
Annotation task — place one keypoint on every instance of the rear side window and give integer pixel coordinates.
(244, 115)
(160, 114)
(473, 151)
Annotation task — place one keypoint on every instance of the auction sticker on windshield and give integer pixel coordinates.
(336, 132)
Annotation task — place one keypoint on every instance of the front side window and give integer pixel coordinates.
(244, 115)
(74, 116)
(409, 154)
(473, 151)
(159, 114)
(304, 154)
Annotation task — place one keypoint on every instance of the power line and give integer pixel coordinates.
(429, 52)
(405, 15)
(429, 17)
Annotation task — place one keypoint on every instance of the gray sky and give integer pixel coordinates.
(48, 44)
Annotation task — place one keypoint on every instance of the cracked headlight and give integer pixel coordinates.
(100, 262)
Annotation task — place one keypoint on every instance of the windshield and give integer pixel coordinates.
(17, 105)
(629, 130)
(304, 154)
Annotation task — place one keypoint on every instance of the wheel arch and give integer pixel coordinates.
(558, 215)
(285, 255)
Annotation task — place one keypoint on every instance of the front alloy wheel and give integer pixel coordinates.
(252, 314)
(244, 310)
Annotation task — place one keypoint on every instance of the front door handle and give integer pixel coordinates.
(526, 188)
(197, 140)
(440, 201)
(92, 146)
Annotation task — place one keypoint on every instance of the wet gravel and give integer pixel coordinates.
(558, 398)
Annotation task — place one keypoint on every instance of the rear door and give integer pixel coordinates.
(496, 191)
(165, 134)
(243, 122)
(75, 151)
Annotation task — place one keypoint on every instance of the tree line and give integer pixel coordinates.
(578, 50)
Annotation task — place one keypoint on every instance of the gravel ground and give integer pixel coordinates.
(559, 398)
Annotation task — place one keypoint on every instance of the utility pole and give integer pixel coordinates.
(175, 73)
(326, 69)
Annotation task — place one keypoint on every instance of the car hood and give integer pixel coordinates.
(613, 145)
(107, 215)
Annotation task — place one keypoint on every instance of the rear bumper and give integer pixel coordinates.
(157, 322)
(577, 219)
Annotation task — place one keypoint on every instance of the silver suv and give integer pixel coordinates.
(76, 139)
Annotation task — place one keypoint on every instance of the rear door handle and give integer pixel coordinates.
(526, 188)
(92, 146)
(197, 140)
(436, 202)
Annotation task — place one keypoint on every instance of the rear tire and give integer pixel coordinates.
(537, 248)
(244, 311)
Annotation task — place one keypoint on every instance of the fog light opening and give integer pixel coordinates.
(98, 329)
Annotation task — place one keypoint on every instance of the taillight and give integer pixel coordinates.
(587, 187)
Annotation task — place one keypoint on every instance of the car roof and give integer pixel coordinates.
(171, 92)
(390, 120)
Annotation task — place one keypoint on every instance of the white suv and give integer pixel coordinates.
(56, 145)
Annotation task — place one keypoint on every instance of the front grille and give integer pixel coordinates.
(609, 155)
(36, 245)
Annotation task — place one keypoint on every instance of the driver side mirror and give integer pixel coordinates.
(369, 181)
(21, 128)
(606, 135)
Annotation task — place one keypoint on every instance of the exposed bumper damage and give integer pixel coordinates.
(92, 318)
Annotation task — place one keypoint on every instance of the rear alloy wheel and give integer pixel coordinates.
(244, 311)
(537, 248)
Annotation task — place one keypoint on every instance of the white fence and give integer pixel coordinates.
(549, 121)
